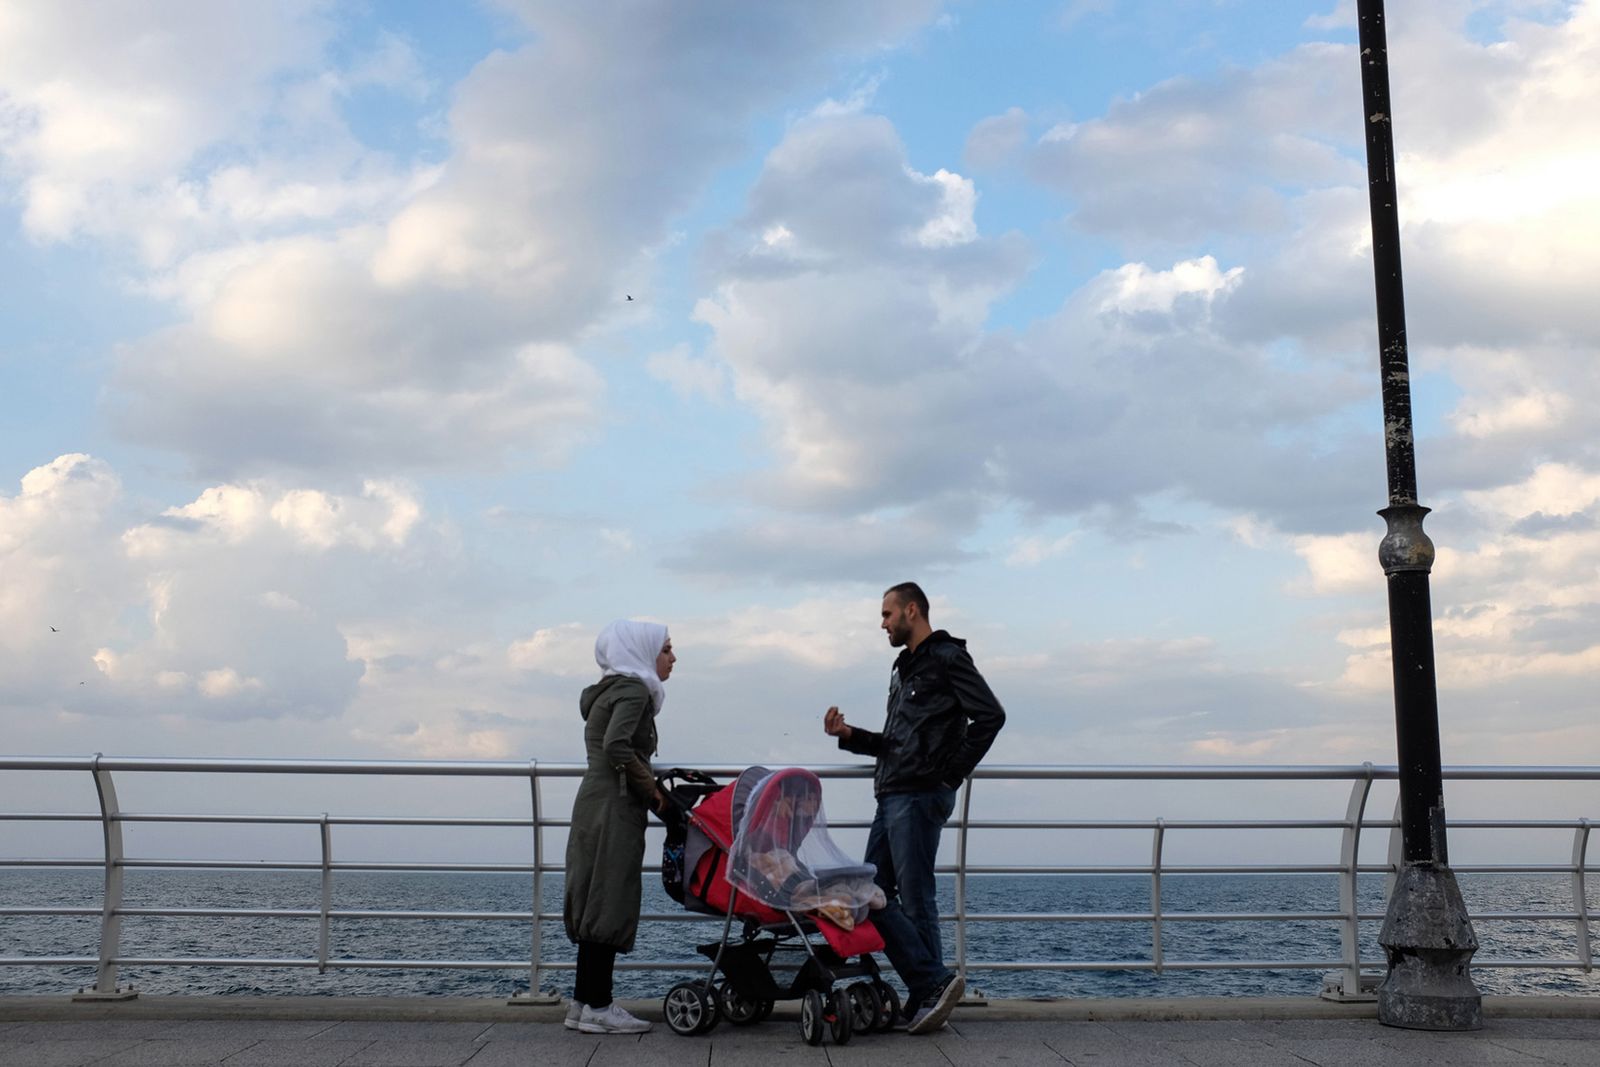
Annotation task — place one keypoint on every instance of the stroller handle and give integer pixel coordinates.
(685, 788)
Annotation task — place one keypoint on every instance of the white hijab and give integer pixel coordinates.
(630, 648)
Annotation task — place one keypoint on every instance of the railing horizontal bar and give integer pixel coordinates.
(1145, 916)
(50, 911)
(1514, 824)
(1512, 868)
(680, 917)
(430, 768)
(1147, 965)
(219, 913)
(46, 816)
(699, 964)
(1317, 868)
(1014, 772)
(1146, 824)
(308, 865)
(337, 820)
(442, 965)
(220, 865)
(312, 913)
(51, 863)
(688, 916)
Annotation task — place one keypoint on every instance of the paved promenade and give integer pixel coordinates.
(376, 1032)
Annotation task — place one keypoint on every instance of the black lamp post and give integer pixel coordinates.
(1426, 934)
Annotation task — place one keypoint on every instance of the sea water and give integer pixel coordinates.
(510, 940)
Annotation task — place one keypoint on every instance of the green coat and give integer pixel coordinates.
(605, 847)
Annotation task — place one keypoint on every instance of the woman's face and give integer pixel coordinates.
(664, 661)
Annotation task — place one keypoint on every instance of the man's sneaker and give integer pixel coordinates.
(610, 1019)
(931, 1016)
(574, 1013)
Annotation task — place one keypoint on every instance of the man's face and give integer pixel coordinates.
(896, 620)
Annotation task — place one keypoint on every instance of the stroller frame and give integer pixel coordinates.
(749, 991)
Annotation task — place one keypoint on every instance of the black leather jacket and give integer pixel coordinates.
(942, 718)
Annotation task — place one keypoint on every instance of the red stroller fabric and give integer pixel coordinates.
(708, 882)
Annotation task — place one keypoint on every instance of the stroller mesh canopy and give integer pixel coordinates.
(782, 854)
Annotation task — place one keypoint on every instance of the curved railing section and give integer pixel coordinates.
(1345, 979)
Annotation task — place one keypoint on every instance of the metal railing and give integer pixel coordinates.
(1345, 982)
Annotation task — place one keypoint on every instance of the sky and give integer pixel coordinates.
(361, 360)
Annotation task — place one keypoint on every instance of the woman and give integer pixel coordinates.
(605, 847)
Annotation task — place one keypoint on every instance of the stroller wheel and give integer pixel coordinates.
(811, 1021)
(689, 1009)
(866, 1007)
(891, 1004)
(841, 1021)
(739, 1010)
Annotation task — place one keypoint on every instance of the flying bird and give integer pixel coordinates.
(628, 295)
(54, 630)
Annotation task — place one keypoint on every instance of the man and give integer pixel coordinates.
(942, 717)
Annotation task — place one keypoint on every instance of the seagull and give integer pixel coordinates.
(54, 630)
(628, 295)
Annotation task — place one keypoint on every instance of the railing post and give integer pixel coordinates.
(1397, 855)
(327, 895)
(1155, 893)
(1348, 986)
(535, 994)
(961, 880)
(1580, 893)
(105, 983)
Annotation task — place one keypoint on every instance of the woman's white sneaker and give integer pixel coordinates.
(574, 1013)
(610, 1019)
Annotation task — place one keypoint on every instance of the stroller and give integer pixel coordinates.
(758, 850)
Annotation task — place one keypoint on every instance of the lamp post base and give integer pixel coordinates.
(1430, 943)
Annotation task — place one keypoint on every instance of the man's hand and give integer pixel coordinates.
(835, 726)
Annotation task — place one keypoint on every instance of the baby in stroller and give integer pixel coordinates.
(759, 849)
(783, 856)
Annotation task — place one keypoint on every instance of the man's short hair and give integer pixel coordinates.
(910, 593)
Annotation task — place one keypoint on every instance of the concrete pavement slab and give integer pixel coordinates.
(529, 1031)
(55, 1053)
(1226, 1052)
(763, 1044)
(659, 1048)
(253, 1029)
(300, 1052)
(1200, 1029)
(989, 1030)
(1564, 1053)
(414, 1054)
(1547, 1029)
(181, 1053)
(398, 1030)
(1118, 1055)
(962, 1053)
(557, 1053)
(109, 1029)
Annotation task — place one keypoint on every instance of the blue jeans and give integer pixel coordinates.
(903, 842)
